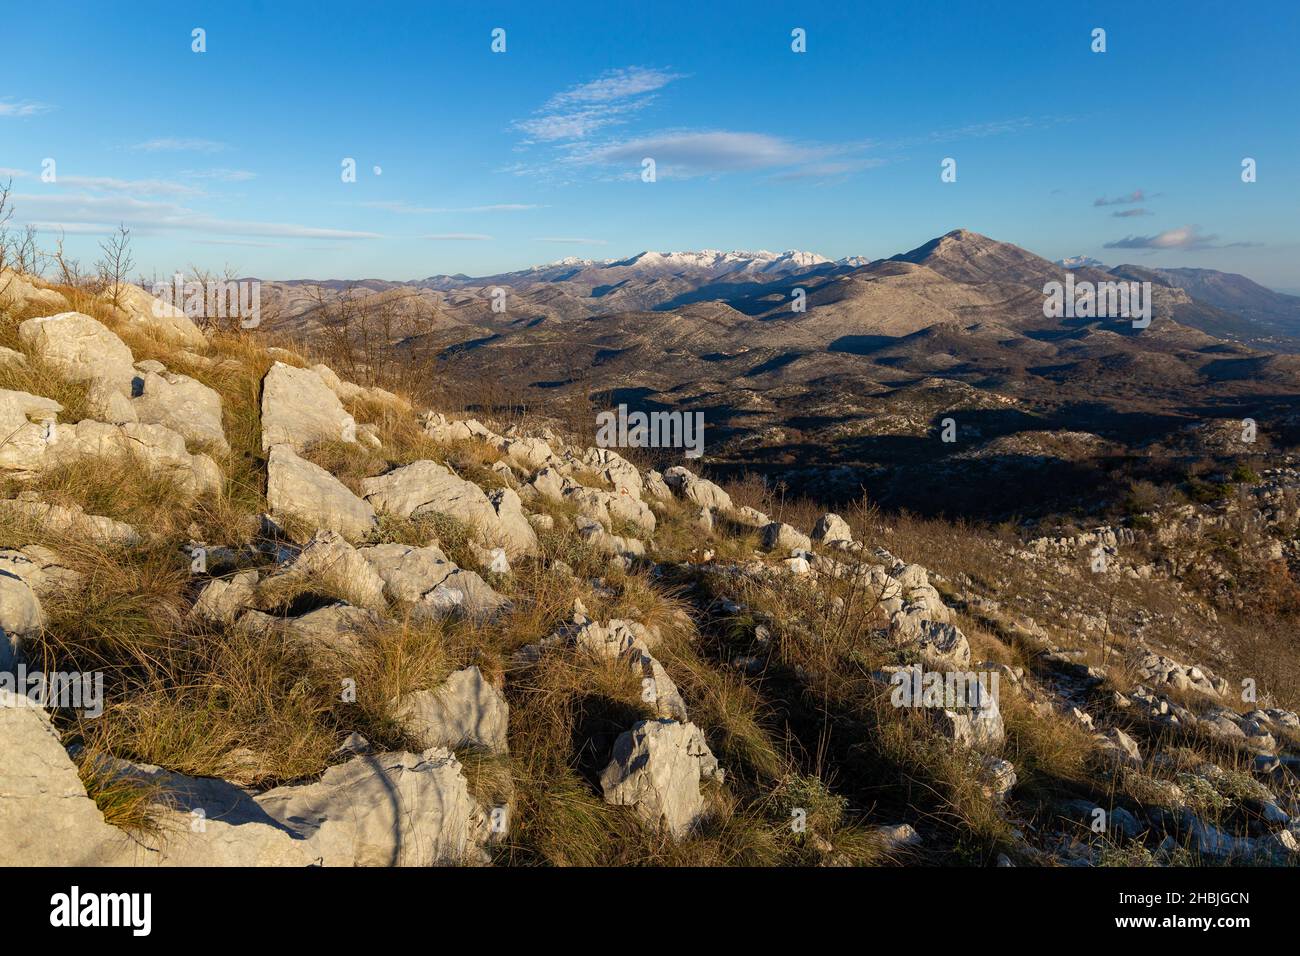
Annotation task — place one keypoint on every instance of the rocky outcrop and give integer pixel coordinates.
(466, 711)
(389, 809)
(831, 528)
(431, 586)
(27, 423)
(160, 318)
(299, 410)
(785, 539)
(428, 487)
(656, 768)
(222, 601)
(19, 292)
(46, 819)
(80, 349)
(305, 492)
(156, 448)
(184, 405)
(327, 562)
(699, 490)
(71, 521)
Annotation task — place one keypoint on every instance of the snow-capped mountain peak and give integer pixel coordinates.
(1081, 262)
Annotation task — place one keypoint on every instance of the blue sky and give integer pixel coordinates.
(477, 162)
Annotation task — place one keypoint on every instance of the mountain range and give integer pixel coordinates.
(858, 381)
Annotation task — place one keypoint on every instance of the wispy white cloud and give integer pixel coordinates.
(84, 212)
(575, 124)
(682, 154)
(133, 187)
(979, 130)
(75, 228)
(578, 112)
(170, 144)
(614, 85)
(402, 206)
(829, 170)
(693, 153)
(1135, 196)
(1183, 237)
(219, 175)
(23, 108)
(249, 243)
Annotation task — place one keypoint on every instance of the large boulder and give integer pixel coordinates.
(46, 819)
(21, 617)
(26, 425)
(432, 586)
(204, 821)
(347, 391)
(1118, 749)
(299, 410)
(611, 509)
(978, 727)
(329, 563)
(750, 517)
(466, 711)
(656, 767)
(782, 538)
(629, 641)
(461, 593)
(184, 405)
(942, 646)
(617, 470)
(529, 454)
(40, 568)
(653, 484)
(161, 318)
(428, 487)
(408, 573)
(390, 809)
(80, 349)
(600, 540)
(304, 491)
(222, 601)
(440, 429)
(517, 532)
(831, 528)
(71, 521)
(336, 630)
(699, 490)
(18, 292)
(155, 447)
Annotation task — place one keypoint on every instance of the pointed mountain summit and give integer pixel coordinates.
(965, 256)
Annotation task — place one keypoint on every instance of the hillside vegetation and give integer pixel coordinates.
(337, 626)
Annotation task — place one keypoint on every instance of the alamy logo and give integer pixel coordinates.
(74, 908)
(217, 299)
(1098, 300)
(60, 690)
(622, 429)
(948, 690)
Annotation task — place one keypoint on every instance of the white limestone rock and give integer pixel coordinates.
(184, 405)
(465, 711)
(656, 767)
(389, 809)
(80, 349)
(300, 489)
(299, 410)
